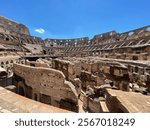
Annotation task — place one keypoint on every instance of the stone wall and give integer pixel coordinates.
(116, 60)
(37, 64)
(118, 101)
(11, 102)
(125, 75)
(23, 44)
(46, 85)
(8, 26)
(91, 105)
(131, 45)
(6, 62)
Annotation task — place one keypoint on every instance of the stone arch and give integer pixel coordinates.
(21, 91)
(21, 88)
(44, 51)
(11, 61)
(35, 97)
(2, 64)
(7, 62)
(7, 39)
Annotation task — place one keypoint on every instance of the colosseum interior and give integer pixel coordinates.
(108, 73)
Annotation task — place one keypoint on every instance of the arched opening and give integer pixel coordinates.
(7, 62)
(35, 97)
(7, 39)
(2, 64)
(21, 91)
(44, 51)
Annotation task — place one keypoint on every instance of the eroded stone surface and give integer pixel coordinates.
(108, 73)
(46, 85)
(11, 102)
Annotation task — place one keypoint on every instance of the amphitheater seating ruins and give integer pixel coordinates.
(108, 73)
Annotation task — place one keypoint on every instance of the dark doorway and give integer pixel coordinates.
(21, 91)
(35, 97)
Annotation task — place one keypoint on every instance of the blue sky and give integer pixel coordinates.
(77, 18)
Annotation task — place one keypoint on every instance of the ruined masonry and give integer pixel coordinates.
(108, 73)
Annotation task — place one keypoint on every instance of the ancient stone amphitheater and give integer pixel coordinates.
(108, 73)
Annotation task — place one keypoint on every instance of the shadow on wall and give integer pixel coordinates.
(51, 88)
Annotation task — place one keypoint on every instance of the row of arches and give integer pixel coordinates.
(21, 39)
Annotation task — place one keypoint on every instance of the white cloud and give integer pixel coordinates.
(40, 30)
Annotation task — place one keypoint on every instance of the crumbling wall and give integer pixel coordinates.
(91, 105)
(37, 64)
(123, 75)
(9, 26)
(46, 85)
(131, 45)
